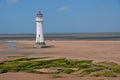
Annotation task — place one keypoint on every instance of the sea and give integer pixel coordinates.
(111, 36)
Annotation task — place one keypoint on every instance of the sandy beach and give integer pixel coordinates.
(97, 51)
(81, 50)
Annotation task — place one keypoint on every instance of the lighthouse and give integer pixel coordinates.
(39, 30)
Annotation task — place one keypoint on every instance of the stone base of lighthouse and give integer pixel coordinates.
(40, 45)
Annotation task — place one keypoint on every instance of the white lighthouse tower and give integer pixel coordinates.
(39, 30)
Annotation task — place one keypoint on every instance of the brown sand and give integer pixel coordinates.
(81, 50)
(30, 76)
(3, 46)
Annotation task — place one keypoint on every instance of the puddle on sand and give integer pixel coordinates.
(11, 45)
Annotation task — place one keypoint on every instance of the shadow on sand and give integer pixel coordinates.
(36, 47)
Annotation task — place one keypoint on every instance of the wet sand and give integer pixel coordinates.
(97, 51)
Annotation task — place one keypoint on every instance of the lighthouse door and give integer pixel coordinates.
(39, 38)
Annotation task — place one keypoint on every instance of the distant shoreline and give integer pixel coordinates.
(65, 36)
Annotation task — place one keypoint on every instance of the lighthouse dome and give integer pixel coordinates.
(39, 13)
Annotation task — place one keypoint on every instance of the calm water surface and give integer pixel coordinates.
(64, 36)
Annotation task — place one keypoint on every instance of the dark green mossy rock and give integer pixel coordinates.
(106, 69)
(105, 74)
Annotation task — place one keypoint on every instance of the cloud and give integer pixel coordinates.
(63, 8)
(12, 1)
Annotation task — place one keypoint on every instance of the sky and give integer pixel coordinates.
(60, 16)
